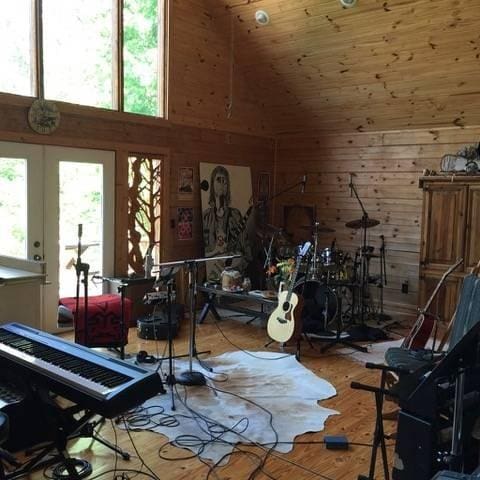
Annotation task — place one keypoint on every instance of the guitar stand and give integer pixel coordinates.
(283, 345)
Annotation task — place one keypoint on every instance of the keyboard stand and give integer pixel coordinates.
(88, 431)
(68, 428)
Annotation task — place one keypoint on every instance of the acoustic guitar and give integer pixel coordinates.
(425, 323)
(283, 321)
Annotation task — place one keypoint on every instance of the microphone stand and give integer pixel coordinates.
(287, 189)
(80, 268)
(265, 201)
(363, 256)
(268, 253)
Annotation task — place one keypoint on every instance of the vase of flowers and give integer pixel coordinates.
(280, 272)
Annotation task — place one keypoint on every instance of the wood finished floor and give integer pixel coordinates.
(356, 419)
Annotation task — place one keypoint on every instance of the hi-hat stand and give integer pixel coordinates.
(190, 376)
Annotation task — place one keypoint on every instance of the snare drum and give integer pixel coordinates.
(320, 305)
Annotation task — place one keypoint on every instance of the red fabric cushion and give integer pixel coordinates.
(103, 320)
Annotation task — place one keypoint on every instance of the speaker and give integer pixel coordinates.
(155, 326)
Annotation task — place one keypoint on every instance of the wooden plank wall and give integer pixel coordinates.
(206, 88)
(382, 65)
(385, 167)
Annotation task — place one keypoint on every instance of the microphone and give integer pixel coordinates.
(304, 182)
(80, 228)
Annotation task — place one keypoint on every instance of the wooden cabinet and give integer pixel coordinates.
(450, 230)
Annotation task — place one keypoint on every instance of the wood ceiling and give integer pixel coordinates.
(381, 65)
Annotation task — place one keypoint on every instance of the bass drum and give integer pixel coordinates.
(320, 305)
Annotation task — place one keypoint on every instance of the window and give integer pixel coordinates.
(77, 51)
(141, 56)
(80, 58)
(16, 47)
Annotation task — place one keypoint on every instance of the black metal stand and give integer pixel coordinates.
(170, 381)
(67, 467)
(81, 268)
(192, 377)
(364, 261)
(379, 434)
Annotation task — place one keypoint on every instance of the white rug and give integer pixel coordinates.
(275, 383)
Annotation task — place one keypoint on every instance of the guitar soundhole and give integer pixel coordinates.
(286, 306)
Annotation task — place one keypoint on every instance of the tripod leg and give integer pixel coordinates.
(125, 455)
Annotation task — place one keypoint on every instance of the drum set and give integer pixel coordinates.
(334, 284)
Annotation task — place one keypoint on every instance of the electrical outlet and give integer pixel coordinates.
(405, 286)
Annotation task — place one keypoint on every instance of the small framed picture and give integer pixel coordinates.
(185, 181)
(185, 223)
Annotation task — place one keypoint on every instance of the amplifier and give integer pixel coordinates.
(155, 326)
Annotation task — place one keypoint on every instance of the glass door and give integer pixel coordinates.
(79, 190)
(21, 191)
(45, 193)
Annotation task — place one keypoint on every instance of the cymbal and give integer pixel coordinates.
(316, 227)
(362, 223)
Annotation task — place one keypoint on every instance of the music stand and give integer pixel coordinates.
(192, 377)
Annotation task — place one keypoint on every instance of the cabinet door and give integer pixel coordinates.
(445, 301)
(472, 247)
(444, 221)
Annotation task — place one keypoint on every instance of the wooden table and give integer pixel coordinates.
(214, 295)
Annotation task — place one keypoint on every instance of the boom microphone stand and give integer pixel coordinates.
(363, 256)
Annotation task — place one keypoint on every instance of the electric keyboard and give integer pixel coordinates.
(94, 381)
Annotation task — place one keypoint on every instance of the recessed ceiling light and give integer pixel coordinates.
(262, 17)
(348, 3)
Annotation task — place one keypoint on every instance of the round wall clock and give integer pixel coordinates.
(43, 116)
